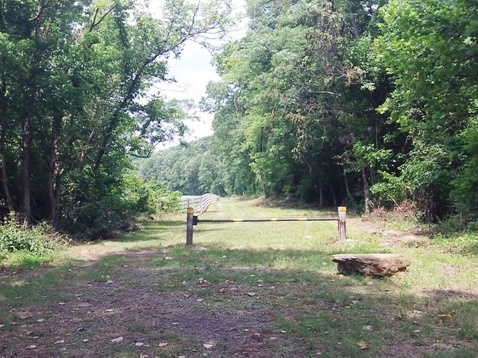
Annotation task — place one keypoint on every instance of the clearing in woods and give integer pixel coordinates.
(244, 290)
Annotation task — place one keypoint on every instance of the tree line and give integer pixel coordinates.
(368, 103)
(337, 101)
(364, 103)
(77, 101)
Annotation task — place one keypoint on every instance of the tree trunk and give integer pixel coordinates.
(334, 198)
(366, 192)
(3, 139)
(26, 214)
(347, 188)
(5, 188)
(355, 27)
(26, 211)
(321, 196)
(264, 187)
(54, 175)
(29, 113)
(353, 19)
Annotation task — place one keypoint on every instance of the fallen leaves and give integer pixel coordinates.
(117, 340)
(209, 345)
(362, 345)
(202, 281)
(442, 318)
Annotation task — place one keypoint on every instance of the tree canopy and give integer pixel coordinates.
(76, 100)
(368, 104)
(353, 102)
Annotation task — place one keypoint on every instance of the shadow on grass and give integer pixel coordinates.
(299, 292)
(152, 230)
(471, 250)
(162, 225)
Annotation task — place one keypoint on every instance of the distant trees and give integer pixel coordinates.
(372, 102)
(298, 100)
(191, 169)
(76, 101)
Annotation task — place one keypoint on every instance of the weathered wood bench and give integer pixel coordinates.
(377, 265)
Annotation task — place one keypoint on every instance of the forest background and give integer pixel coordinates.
(369, 104)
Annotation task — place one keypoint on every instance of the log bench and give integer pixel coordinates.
(377, 265)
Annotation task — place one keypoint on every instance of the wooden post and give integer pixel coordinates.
(342, 223)
(189, 227)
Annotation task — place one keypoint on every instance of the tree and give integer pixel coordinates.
(298, 98)
(431, 48)
(75, 91)
(191, 169)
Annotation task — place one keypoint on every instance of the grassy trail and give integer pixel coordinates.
(244, 290)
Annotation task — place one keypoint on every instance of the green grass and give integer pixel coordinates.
(281, 271)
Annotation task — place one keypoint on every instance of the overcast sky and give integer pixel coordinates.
(192, 72)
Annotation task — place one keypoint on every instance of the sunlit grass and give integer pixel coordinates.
(283, 268)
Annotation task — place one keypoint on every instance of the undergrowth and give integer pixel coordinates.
(37, 240)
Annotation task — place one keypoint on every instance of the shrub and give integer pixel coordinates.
(15, 238)
(97, 206)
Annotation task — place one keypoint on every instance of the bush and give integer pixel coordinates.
(15, 238)
(97, 206)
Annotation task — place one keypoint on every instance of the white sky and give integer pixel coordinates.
(192, 72)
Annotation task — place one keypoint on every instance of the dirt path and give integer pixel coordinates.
(117, 311)
(218, 302)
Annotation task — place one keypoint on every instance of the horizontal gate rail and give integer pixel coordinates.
(193, 220)
(263, 220)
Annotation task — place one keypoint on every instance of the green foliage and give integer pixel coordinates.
(428, 47)
(191, 169)
(166, 201)
(372, 103)
(297, 102)
(119, 201)
(465, 187)
(77, 99)
(15, 238)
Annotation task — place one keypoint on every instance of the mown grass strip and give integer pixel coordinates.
(277, 276)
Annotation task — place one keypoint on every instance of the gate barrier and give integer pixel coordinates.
(193, 220)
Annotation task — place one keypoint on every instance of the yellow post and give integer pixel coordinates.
(342, 223)
(189, 227)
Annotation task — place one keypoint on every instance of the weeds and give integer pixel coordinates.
(20, 246)
(254, 290)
